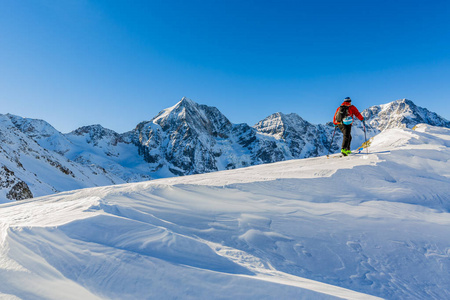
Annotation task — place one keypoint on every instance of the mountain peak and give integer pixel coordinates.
(402, 113)
(278, 123)
(193, 115)
(176, 111)
(95, 133)
(35, 128)
(400, 102)
(186, 101)
(94, 130)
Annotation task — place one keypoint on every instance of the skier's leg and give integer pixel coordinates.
(343, 130)
(349, 137)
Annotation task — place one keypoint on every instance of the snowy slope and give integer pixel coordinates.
(113, 152)
(370, 224)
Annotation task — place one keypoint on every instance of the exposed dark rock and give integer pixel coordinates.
(20, 191)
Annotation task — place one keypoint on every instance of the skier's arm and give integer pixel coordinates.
(355, 111)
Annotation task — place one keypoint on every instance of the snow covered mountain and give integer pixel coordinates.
(402, 114)
(359, 227)
(300, 138)
(189, 138)
(185, 139)
(29, 169)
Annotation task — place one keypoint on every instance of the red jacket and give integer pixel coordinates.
(352, 111)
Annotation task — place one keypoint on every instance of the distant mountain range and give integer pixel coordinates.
(188, 138)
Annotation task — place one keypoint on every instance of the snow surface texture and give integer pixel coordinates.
(358, 227)
(187, 138)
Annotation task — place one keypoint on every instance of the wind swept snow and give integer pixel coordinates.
(359, 227)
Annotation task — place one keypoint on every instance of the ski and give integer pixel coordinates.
(340, 155)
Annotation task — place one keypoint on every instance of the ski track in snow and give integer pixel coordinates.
(371, 224)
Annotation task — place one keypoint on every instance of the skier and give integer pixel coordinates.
(343, 118)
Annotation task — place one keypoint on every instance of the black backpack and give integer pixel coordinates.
(342, 113)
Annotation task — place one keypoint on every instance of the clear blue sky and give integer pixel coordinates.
(116, 63)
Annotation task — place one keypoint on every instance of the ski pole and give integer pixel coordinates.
(332, 138)
(365, 137)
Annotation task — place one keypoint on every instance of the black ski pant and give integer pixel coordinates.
(346, 131)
